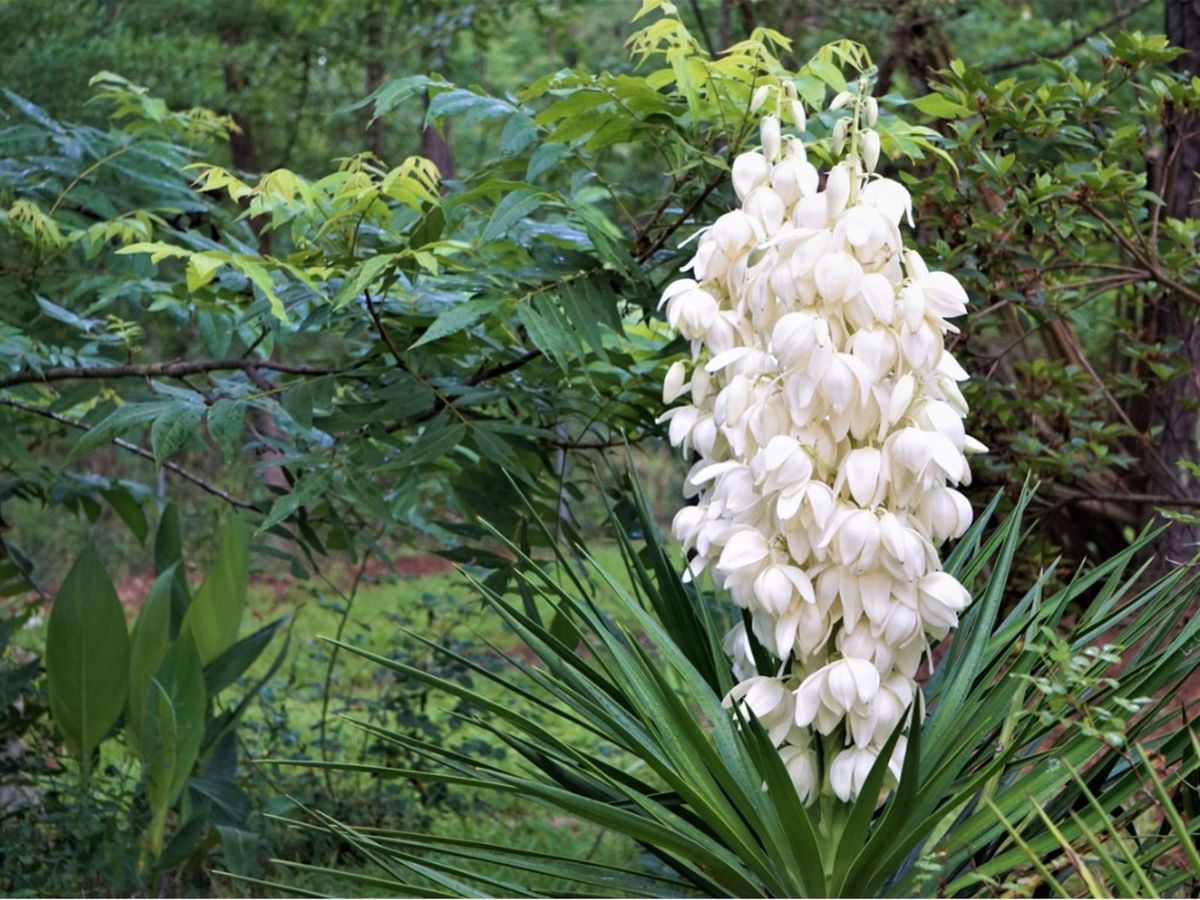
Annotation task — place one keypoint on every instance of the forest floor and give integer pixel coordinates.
(424, 594)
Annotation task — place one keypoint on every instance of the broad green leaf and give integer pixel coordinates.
(240, 848)
(172, 729)
(87, 657)
(519, 132)
(118, 423)
(457, 317)
(361, 278)
(151, 639)
(440, 436)
(583, 304)
(548, 329)
(13, 447)
(126, 506)
(940, 106)
(308, 487)
(511, 209)
(230, 665)
(173, 429)
(225, 421)
(297, 400)
(215, 612)
(545, 158)
(168, 551)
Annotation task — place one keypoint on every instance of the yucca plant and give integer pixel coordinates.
(1032, 743)
(1140, 850)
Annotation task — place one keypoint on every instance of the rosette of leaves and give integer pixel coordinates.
(633, 659)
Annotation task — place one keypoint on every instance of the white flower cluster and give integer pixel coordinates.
(828, 422)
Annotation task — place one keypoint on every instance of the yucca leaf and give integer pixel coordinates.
(635, 663)
(857, 823)
(963, 666)
(1034, 859)
(286, 890)
(394, 887)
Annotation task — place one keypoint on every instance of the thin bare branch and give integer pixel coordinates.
(156, 370)
(175, 468)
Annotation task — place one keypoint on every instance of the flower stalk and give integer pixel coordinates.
(826, 418)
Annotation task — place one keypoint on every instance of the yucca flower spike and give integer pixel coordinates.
(826, 415)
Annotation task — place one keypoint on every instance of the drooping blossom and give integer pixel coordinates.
(826, 419)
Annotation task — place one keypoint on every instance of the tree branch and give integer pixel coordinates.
(440, 402)
(1133, 250)
(662, 239)
(179, 470)
(1119, 496)
(373, 311)
(156, 370)
(1063, 51)
(504, 368)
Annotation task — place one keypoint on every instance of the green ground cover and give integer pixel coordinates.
(286, 721)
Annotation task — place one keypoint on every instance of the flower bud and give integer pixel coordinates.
(759, 97)
(673, 384)
(769, 132)
(841, 128)
(798, 116)
(870, 149)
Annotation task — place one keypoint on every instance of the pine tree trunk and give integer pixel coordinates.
(1176, 405)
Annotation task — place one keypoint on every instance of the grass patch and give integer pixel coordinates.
(286, 722)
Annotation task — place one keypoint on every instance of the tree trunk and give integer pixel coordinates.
(919, 45)
(374, 77)
(435, 147)
(242, 149)
(241, 141)
(725, 23)
(1176, 404)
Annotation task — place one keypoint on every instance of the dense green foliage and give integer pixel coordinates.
(358, 275)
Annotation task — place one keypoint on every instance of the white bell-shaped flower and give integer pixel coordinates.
(769, 700)
(827, 416)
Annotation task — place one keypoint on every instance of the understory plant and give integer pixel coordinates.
(168, 690)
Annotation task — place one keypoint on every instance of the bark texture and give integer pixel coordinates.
(1177, 319)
